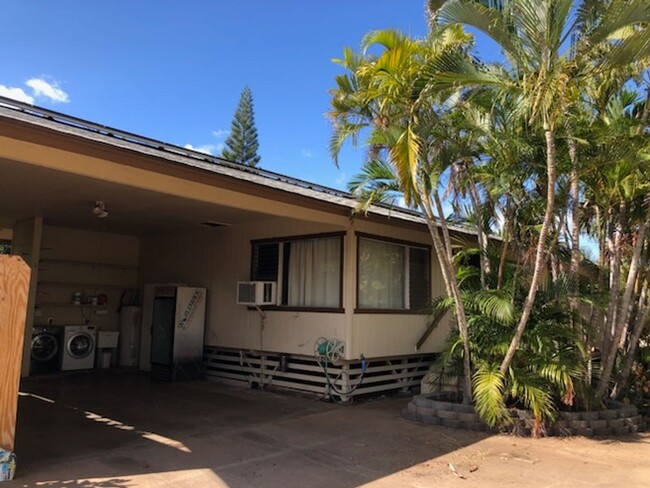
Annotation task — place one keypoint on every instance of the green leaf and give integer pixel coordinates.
(489, 389)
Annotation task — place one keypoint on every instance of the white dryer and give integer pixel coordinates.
(79, 342)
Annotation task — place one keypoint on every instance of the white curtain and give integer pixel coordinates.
(315, 273)
(381, 275)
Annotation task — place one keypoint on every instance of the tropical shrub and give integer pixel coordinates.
(549, 370)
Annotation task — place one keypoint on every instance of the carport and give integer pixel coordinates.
(160, 204)
(49, 216)
(166, 207)
(178, 216)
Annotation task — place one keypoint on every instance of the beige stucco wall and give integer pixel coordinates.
(89, 262)
(218, 258)
(377, 335)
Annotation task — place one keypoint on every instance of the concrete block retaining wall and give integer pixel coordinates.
(440, 409)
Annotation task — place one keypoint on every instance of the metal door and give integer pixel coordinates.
(162, 332)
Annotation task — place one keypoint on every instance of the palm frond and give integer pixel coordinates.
(483, 17)
(633, 47)
(375, 184)
(617, 15)
(489, 389)
(495, 304)
(535, 396)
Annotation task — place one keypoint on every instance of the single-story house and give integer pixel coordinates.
(174, 215)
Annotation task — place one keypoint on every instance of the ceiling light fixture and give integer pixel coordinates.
(99, 209)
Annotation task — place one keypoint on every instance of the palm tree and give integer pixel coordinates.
(550, 47)
(619, 187)
(408, 132)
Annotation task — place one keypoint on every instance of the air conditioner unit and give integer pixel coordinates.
(256, 293)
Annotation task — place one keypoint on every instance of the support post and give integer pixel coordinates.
(26, 243)
(405, 379)
(14, 291)
(346, 387)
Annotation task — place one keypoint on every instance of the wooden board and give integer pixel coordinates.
(14, 290)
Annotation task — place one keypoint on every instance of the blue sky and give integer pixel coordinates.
(174, 70)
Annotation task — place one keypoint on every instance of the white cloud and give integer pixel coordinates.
(341, 179)
(307, 153)
(210, 149)
(16, 94)
(220, 133)
(205, 148)
(43, 88)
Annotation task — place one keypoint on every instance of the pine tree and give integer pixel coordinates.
(241, 144)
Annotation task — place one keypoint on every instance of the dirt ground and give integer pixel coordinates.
(501, 460)
(126, 431)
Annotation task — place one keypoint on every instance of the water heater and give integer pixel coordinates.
(129, 345)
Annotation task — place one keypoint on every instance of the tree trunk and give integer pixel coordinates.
(504, 243)
(575, 213)
(589, 346)
(451, 284)
(555, 267)
(460, 306)
(482, 237)
(539, 257)
(574, 191)
(636, 284)
(553, 258)
(608, 364)
(645, 115)
(615, 251)
(643, 310)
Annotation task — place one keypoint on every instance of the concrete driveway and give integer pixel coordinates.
(121, 430)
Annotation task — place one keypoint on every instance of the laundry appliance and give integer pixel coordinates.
(79, 342)
(46, 349)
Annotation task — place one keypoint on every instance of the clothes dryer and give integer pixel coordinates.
(45, 350)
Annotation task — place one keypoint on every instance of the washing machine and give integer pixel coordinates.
(46, 349)
(79, 342)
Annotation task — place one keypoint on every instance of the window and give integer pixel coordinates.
(392, 275)
(307, 269)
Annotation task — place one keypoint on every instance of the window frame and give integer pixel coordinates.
(406, 244)
(281, 265)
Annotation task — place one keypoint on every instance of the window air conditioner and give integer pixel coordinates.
(256, 293)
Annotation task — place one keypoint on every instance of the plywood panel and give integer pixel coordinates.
(27, 244)
(14, 289)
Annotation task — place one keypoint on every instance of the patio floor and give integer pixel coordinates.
(109, 429)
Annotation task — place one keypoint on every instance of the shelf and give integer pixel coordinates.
(96, 286)
(67, 304)
(67, 262)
